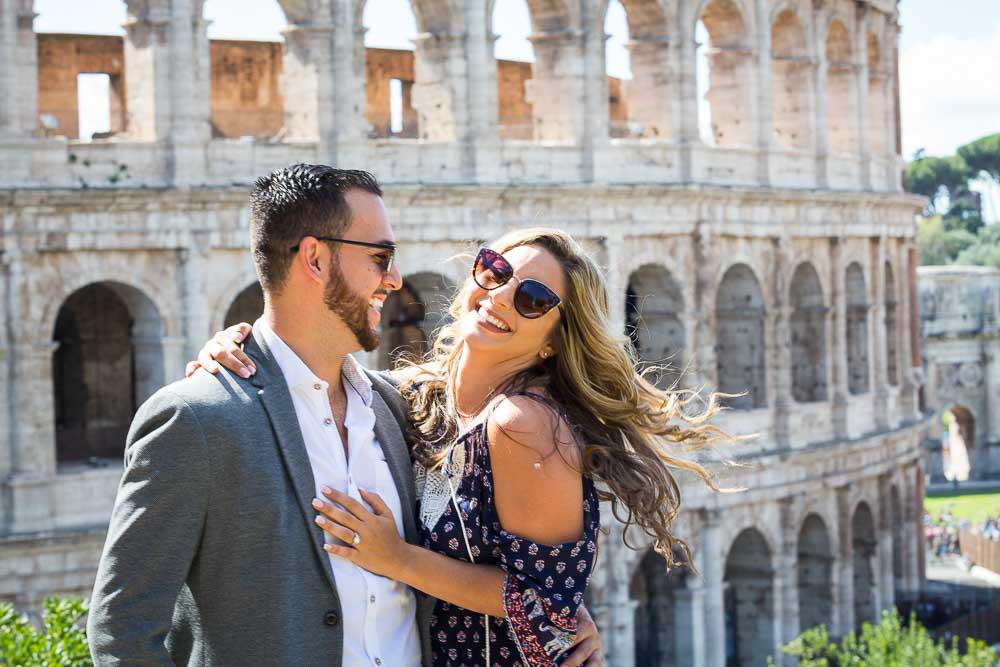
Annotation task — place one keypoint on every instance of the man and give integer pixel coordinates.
(212, 555)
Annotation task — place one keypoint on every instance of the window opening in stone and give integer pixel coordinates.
(94, 105)
(390, 37)
(247, 63)
(108, 360)
(841, 119)
(246, 307)
(958, 443)
(654, 317)
(514, 54)
(815, 574)
(808, 336)
(857, 330)
(619, 71)
(412, 316)
(724, 76)
(662, 606)
(749, 600)
(865, 547)
(791, 82)
(739, 339)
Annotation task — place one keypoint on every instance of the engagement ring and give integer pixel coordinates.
(357, 539)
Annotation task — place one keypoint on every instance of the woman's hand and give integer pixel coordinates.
(224, 348)
(380, 550)
(587, 649)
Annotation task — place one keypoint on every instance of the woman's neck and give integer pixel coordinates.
(477, 378)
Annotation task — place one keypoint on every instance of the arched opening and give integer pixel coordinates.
(791, 82)
(655, 592)
(808, 332)
(878, 98)
(857, 329)
(739, 339)
(959, 443)
(749, 601)
(891, 327)
(618, 70)
(841, 117)
(246, 307)
(412, 315)
(723, 36)
(654, 314)
(108, 360)
(897, 518)
(81, 70)
(865, 547)
(390, 65)
(247, 51)
(511, 24)
(815, 567)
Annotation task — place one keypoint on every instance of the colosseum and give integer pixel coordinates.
(768, 252)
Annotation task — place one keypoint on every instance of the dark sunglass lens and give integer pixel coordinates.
(491, 270)
(533, 299)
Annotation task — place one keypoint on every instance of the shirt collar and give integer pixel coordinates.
(298, 375)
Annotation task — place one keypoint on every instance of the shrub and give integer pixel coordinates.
(62, 641)
(888, 644)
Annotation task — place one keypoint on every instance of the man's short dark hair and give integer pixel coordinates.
(297, 201)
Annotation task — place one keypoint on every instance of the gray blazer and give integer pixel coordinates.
(212, 556)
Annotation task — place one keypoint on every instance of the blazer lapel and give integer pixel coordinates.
(396, 455)
(277, 402)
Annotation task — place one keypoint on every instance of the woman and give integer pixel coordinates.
(528, 400)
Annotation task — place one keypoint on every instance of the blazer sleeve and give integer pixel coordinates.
(154, 534)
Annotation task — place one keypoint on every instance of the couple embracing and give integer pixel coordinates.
(295, 508)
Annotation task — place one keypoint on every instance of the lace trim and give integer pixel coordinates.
(432, 486)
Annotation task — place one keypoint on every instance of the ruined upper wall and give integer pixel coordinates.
(957, 301)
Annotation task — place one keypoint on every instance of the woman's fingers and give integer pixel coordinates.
(336, 515)
(348, 503)
(190, 369)
(377, 504)
(205, 357)
(584, 653)
(345, 535)
(238, 332)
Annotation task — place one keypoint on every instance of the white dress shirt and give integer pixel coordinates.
(379, 614)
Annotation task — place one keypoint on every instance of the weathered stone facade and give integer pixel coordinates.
(779, 260)
(960, 332)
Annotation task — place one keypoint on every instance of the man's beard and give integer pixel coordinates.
(351, 308)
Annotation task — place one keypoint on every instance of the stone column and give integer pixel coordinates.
(556, 91)
(779, 338)
(6, 408)
(654, 80)
(913, 369)
(482, 98)
(838, 340)
(762, 89)
(713, 572)
(195, 316)
(786, 579)
(689, 623)
(686, 100)
(886, 580)
(822, 140)
(861, 88)
(308, 82)
(620, 607)
(878, 364)
(19, 79)
(844, 565)
(440, 91)
(617, 281)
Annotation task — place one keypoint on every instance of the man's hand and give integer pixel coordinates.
(587, 650)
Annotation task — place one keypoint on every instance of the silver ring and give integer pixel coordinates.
(357, 539)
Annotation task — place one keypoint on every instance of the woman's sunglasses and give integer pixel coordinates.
(532, 298)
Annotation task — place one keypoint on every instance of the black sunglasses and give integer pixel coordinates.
(386, 262)
(532, 298)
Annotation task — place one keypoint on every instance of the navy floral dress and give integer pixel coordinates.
(544, 584)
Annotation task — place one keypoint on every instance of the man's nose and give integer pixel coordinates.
(393, 280)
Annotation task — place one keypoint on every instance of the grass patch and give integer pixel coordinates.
(975, 507)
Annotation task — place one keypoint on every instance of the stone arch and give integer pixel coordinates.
(808, 335)
(108, 360)
(730, 71)
(897, 519)
(959, 449)
(791, 82)
(246, 307)
(841, 96)
(654, 320)
(856, 294)
(815, 566)
(864, 548)
(412, 315)
(739, 338)
(891, 326)
(878, 97)
(661, 605)
(749, 600)
(646, 97)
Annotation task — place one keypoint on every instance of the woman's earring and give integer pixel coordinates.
(544, 355)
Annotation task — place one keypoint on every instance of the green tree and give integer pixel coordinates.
(982, 155)
(936, 244)
(62, 641)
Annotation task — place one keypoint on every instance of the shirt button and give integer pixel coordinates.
(331, 618)
(378, 661)
(372, 598)
(327, 421)
(317, 386)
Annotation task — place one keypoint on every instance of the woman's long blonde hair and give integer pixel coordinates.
(632, 432)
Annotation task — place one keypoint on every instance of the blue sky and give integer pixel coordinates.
(949, 51)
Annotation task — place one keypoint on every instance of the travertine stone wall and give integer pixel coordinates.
(246, 89)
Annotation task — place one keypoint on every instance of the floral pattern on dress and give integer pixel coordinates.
(544, 585)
